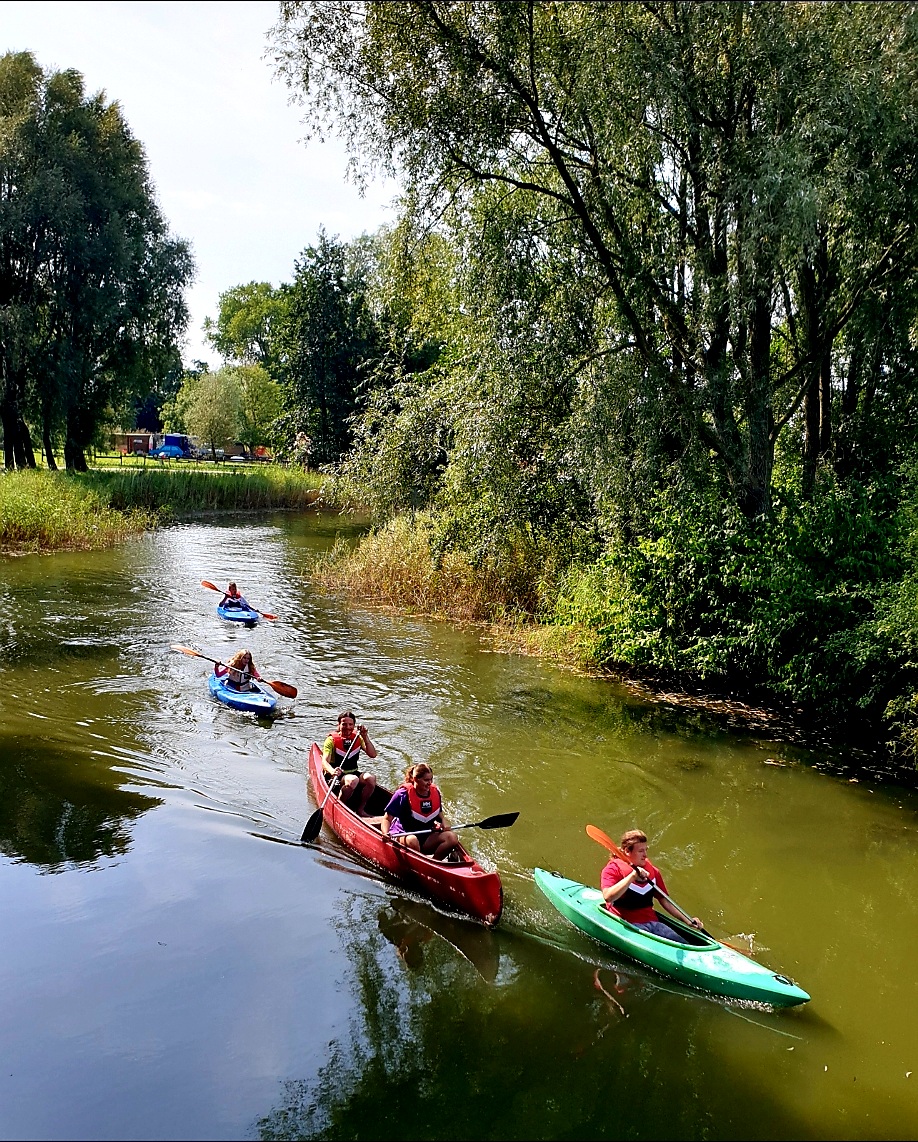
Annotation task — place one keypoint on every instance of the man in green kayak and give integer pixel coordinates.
(629, 888)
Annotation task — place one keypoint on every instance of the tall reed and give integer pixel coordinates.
(176, 492)
(44, 511)
(397, 566)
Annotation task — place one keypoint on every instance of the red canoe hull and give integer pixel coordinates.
(465, 887)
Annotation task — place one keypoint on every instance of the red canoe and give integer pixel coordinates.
(463, 887)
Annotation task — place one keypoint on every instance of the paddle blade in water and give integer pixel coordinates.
(284, 688)
(266, 615)
(313, 828)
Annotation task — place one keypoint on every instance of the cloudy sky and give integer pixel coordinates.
(224, 145)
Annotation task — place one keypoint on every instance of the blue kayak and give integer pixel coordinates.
(253, 701)
(237, 614)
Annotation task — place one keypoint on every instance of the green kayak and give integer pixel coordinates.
(704, 963)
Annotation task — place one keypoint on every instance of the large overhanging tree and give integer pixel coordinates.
(91, 281)
(739, 176)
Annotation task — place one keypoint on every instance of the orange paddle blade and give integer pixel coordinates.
(210, 586)
(186, 650)
(606, 841)
(284, 688)
(265, 615)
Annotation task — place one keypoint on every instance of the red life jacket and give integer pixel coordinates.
(427, 809)
(341, 748)
(636, 902)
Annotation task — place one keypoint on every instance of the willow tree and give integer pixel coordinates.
(739, 176)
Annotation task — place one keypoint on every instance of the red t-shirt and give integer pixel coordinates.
(635, 904)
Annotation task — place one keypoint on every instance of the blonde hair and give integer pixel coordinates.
(238, 661)
(631, 838)
(412, 771)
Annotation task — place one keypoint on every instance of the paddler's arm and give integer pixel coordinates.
(368, 748)
(696, 923)
(328, 752)
(386, 824)
(620, 887)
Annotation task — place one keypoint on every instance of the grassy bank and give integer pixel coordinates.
(47, 511)
(174, 492)
(398, 566)
(751, 616)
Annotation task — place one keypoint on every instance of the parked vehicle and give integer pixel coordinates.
(174, 447)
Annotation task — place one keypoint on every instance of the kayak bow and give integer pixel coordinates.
(252, 701)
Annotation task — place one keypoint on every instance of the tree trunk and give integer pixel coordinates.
(759, 412)
(28, 449)
(9, 435)
(48, 446)
(74, 451)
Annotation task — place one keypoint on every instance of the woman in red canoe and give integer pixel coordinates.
(416, 807)
(629, 889)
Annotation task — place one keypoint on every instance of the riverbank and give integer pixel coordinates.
(52, 511)
(398, 567)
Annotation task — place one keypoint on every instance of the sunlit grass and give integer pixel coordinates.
(397, 567)
(180, 491)
(45, 511)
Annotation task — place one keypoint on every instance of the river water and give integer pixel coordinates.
(175, 965)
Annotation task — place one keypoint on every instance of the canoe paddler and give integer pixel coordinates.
(340, 758)
(233, 599)
(629, 889)
(417, 807)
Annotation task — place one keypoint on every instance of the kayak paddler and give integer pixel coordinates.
(233, 599)
(239, 671)
(629, 889)
(340, 757)
(416, 807)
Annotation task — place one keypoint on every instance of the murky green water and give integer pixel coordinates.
(173, 965)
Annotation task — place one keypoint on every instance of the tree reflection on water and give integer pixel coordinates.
(434, 1051)
(58, 804)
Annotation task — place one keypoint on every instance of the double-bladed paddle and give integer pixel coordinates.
(213, 587)
(314, 824)
(499, 821)
(606, 841)
(283, 688)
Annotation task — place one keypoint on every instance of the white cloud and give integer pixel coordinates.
(224, 145)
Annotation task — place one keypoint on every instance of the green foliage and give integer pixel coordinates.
(735, 179)
(246, 328)
(325, 341)
(210, 405)
(791, 606)
(91, 282)
(259, 406)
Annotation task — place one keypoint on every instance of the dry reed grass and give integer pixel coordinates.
(396, 566)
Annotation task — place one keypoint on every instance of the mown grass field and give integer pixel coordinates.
(46, 511)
